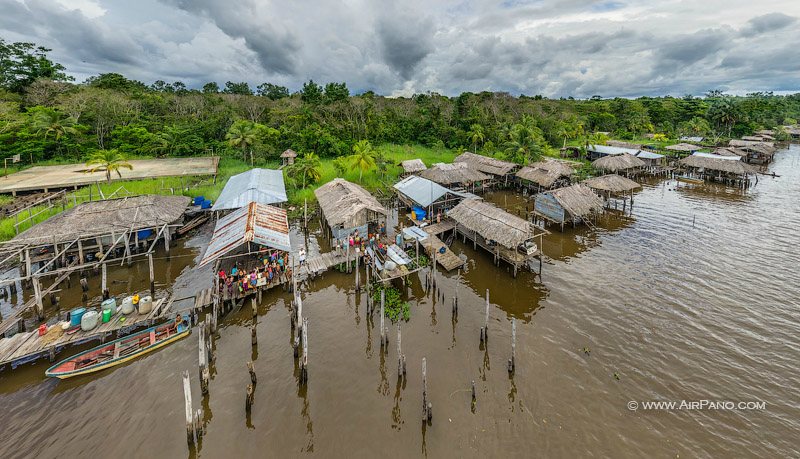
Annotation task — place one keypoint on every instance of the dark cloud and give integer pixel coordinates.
(405, 41)
(767, 23)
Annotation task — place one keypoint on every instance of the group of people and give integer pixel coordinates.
(271, 267)
(358, 243)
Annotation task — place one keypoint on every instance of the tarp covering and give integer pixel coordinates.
(264, 186)
(257, 223)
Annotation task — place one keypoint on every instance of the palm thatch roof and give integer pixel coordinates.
(486, 164)
(729, 151)
(100, 218)
(346, 204)
(411, 166)
(683, 147)
(623, 144)
(612, 183)
(750, 143)
(545, 173)
(492, 223)
(578, 200)
(451, 174)
(289, 153)
(616, 163)
(722, 164)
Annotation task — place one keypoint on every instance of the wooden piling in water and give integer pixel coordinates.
(304, 360)
(252, 370)
(250, 398)
(152, 275)
(485, 328)
(187, 398)
(401, 359)
(254, 306)
(511, 361)
(202, 350)
(455, 293)
(358, 270)
(104, 282)
(383, 335)
(37, 291)
(427, 407)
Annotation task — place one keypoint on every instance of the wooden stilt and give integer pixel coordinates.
(427, 407)
(485, 328)
(511, 361)
(202, 357)
(104, 284)
(187, 398)
(152, 275)
(37, 291)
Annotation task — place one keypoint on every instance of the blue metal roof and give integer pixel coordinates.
(423, 191)
(610, 151)
(264, 186)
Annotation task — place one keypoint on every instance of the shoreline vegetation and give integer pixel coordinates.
(46, 118)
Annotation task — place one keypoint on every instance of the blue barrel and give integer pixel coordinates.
(75, 316)
(206, 204)
(198, 200)
(144, 234)
(420, 212)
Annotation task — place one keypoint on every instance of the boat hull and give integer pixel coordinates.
(54, 371)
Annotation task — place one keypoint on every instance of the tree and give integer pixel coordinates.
(109, 161)
(23, 63)
(116, 82)
(311, 93)
(305, 169)
(476, 135)
(524, 142)
(363, 158)
(724, 113)
(272, 91)
(335, 92)
(211, 88)
(340, 166)
(49, 122)
(242, 88)
(242, 134)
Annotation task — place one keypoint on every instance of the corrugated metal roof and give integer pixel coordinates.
(264, 186)
(608, 150)
(713, 156)
(648, 155)
(258, 223)
(423, 191)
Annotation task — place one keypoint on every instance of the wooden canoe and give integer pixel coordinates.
(121, 350)
(687, 179)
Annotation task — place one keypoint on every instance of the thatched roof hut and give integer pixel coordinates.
(346, 205)
(102, 218)
(750, 143)
(729, 151)
(453, 174)
(492, 223)
(289, 153)
(616, 163)
(411, 166)
(545, 173)
(709, 162)
(573, 203)
(684, 147)
(612, 183)
(485, 164)
(623, 144)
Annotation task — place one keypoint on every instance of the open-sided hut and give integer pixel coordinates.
(426, 197)
(726, 169)
(600, 151)
(412, 166)
(572, 204)
(619, 163)
(653, 161)
(613, 187)
(500, 170)
(506, 236)
(264, 186)
(288, 156)
(683, 148)
(347, 207)
(758, 152)
(456, 175)
(545, 174)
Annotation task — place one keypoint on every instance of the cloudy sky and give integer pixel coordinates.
(551, 47)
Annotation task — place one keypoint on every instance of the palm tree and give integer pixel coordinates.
(242, 134)
(108, 161)
(340, 166)
(305, 168)
(363, 158)
(476, 135)
(50, 122)
(523, 145)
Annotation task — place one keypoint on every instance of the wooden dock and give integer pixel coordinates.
(27, 347)
(448, 260)
(318, 264)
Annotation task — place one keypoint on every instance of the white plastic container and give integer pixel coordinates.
(145, 304)
(89, 320)
(127, 305)
(111, 304)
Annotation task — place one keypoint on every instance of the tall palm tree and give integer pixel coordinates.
(242, 134)
(363, 158)
(523, 145)
(108, 161)
(476, 135)
(50, 122)
(306, 169)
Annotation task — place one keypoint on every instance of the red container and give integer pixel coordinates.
(42, 329)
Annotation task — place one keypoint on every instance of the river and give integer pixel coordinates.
(692, 297)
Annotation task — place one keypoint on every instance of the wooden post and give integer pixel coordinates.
(304, 361)
(416, 248)
(401, 359)
(383, 335)
(80, 252)
(202, 355)
(255, 307)
(215, 306)
(253, 335)
(251, 368)
(187, 397)
(358, 269)
(511, 361)
(28, 271)
(347, 257)
(427, 407)
(166, 240)
(37, 289)
(455, 293)
(152, 275)
(127, 254)
(305, 214)
(249, 398)
(485, 328)
(104, 284)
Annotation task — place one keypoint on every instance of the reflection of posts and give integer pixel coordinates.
(427, 407)
(485, 328)
(511, 362)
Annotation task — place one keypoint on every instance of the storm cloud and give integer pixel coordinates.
(552, 47)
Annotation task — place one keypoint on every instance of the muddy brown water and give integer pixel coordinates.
(693, 297)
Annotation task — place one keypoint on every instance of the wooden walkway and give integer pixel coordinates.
(448, 260)
(27, 347)
(439, 228)
(320, 263)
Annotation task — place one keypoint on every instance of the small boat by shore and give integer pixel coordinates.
(121, 350)
(687, 179)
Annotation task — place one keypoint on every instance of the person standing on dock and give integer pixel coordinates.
(302, 256)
